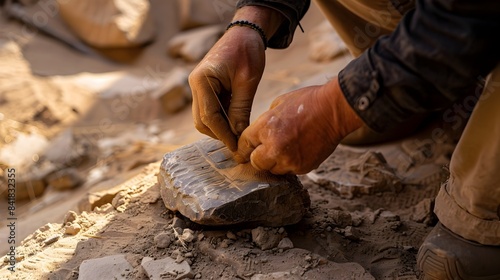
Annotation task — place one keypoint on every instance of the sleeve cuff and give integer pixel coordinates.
(360, 84)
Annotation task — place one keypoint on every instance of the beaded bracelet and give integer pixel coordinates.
(250, 25)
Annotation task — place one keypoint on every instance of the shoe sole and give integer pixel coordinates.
(437, 264)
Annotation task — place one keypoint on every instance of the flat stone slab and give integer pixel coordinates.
(204, 183)
(109, 267)
(166, 268)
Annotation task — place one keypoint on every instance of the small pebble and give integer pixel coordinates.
(51, 239)
(285, 244)
(231, 235)
(226, 243)
(72, 229)
(162, 240)
(187, 235)
(70, 217)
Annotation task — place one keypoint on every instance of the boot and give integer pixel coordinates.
(445, 255)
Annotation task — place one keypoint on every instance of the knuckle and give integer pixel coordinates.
(206, 119)
(194, 77)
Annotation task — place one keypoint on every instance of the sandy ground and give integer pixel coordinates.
(370, 209)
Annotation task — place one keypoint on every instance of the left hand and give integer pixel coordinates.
(299, 132)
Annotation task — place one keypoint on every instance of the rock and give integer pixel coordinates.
(72, 229)
(159, 269)
(231, 235)
(226, 243)
(187, 235)
(364, 174)
(110, 267)
(352, 233)
(65, 179)
(109, 23)
(265, 239)
(174, 93)
(120, 201)
(104, 209)
(423, 212)
(162, 240)
(70, 217)
(29, 186)
(205, 184)
(341, 218)
(51, 239)
(194, 13)
(285, 244)
(194, 44)
(30, 183)
(324, 43)
(105, 191)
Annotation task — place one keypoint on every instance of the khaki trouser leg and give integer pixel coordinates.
(469, 204)
(360, 23)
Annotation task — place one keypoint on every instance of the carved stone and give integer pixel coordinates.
(205, 184)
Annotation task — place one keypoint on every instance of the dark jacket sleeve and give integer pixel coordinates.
(292, 10)
(435, 56)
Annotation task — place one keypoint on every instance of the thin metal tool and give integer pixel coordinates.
(220, 104)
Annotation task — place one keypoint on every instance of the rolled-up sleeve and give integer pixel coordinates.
(436, 55)
(292, 10)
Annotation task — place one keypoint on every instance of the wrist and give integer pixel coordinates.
(344, 118)
(268, 19)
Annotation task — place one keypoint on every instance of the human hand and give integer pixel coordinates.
(229, 74)
(226, 80)
(300, 131)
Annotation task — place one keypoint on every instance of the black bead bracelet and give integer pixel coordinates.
(250, 25)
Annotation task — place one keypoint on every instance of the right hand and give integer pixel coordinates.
(230, 72)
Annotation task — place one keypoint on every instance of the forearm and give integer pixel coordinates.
(434, 57)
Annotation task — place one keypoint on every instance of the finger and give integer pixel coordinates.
(198, 124)
(261, 159)
(219, 126)
(243, 93)
(209, 117)
(213, 117)
(249, 140)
